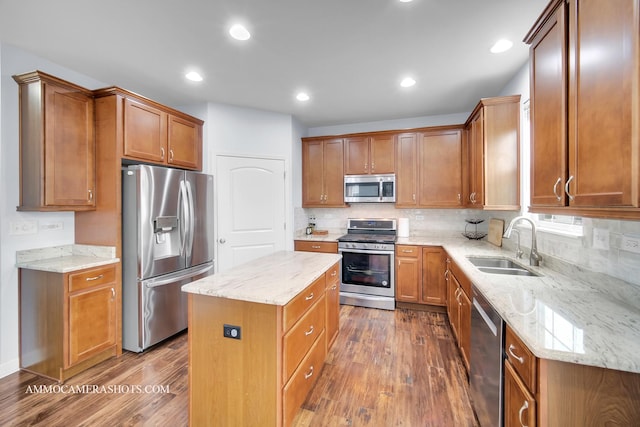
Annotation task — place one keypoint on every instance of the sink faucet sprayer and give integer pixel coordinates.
(534, 258)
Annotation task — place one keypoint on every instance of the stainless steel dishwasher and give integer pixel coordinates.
(486, 373)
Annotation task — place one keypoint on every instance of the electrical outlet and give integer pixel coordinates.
(601, 238)
(630, 244)
(23, 227)
(51, 226)
(231, 331)
(419, 217)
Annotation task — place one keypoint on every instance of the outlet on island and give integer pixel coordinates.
(231, 331)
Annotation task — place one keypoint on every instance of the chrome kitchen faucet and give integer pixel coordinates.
(534, 257)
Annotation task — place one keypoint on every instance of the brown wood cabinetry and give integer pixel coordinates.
(408, 273)
(440, 166)
(323, 173)
(263, 378)
(520, 381)
(314, 246)
(332, 322)
(493, 132)
(57, 144)
(369, 154)
(407, 170)
(420, 275)
(154, 133)
(79, 312)
(585, 132)
(459, 308)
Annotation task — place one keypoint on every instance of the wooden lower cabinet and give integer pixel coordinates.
(68, 321)
(315, 246)
(420, 275)
(332, 321)
(262, 378)
(550, 393)
(459, 308)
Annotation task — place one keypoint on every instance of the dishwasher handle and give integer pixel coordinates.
(485, 317)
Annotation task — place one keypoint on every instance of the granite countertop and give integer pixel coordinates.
(273, 279)
(567, 314)
(66, 258)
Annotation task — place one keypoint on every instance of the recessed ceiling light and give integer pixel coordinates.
(193, 76)
(302, 96)
(501, 45)
(239, 32)
(405, 1)
(407, 82)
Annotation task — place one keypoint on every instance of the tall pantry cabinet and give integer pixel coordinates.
(585, 104)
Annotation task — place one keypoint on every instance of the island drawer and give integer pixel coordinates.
(92, 277)
(297, 389)
(301, 303)
(301, 337)
(521, 358)
(333, 275)
(312, 246)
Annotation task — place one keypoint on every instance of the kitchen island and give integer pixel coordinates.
(258, 337)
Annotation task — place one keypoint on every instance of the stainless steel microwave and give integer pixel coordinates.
(370, 188)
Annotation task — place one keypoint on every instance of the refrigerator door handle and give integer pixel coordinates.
(151, 283)
(192, 219)
(184, 216)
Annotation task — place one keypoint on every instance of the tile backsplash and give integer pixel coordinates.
(600, 249)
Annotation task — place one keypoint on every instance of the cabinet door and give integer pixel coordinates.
(145, 132)
(356, 156)
(519, 403)
(603, 103)
(476, 161)
(407, 279)
(464, 336)
(69, 170)
(332, 322)
(407, 175)
(92, 320)
(548, 116)
(333, 173)
(453, 308)
(382, 154)
(184, 143)
(312, 173)
(434, 286)
(440, 182)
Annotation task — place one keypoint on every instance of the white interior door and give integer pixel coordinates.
(251, 209)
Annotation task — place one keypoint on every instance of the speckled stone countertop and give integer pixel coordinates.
(273, 279)
(567, 314)
(66, 258)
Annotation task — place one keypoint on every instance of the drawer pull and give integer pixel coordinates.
(334, 273)
(315, 246)
(334, 287)
(518, 358)
(310, 297)
(407, 251)
(309, 374)
(91, 279)
(310, 331)
(523, 408)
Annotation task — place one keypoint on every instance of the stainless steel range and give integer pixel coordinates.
(368, 277)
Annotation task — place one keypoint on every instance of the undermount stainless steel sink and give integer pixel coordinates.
(494, 265)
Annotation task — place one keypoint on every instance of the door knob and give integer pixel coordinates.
(222, 240)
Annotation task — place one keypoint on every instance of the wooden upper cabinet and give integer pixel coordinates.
(184, 143)
(407, 174)
(548, 106)
(323, 173)
(440, 177)
(154, 133)
(494, 154)
(585, 140)
(57, 144)
(145, 132)
(369, 155)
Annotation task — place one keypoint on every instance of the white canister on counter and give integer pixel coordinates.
(403, 227)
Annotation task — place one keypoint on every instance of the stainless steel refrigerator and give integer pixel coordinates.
(167, 241)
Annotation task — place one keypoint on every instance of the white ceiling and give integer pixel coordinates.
(349, 55)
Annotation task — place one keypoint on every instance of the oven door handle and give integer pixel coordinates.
(366, 251)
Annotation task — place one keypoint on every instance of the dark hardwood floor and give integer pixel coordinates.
(386, 368)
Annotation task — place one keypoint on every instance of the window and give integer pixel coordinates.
(560, 224)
